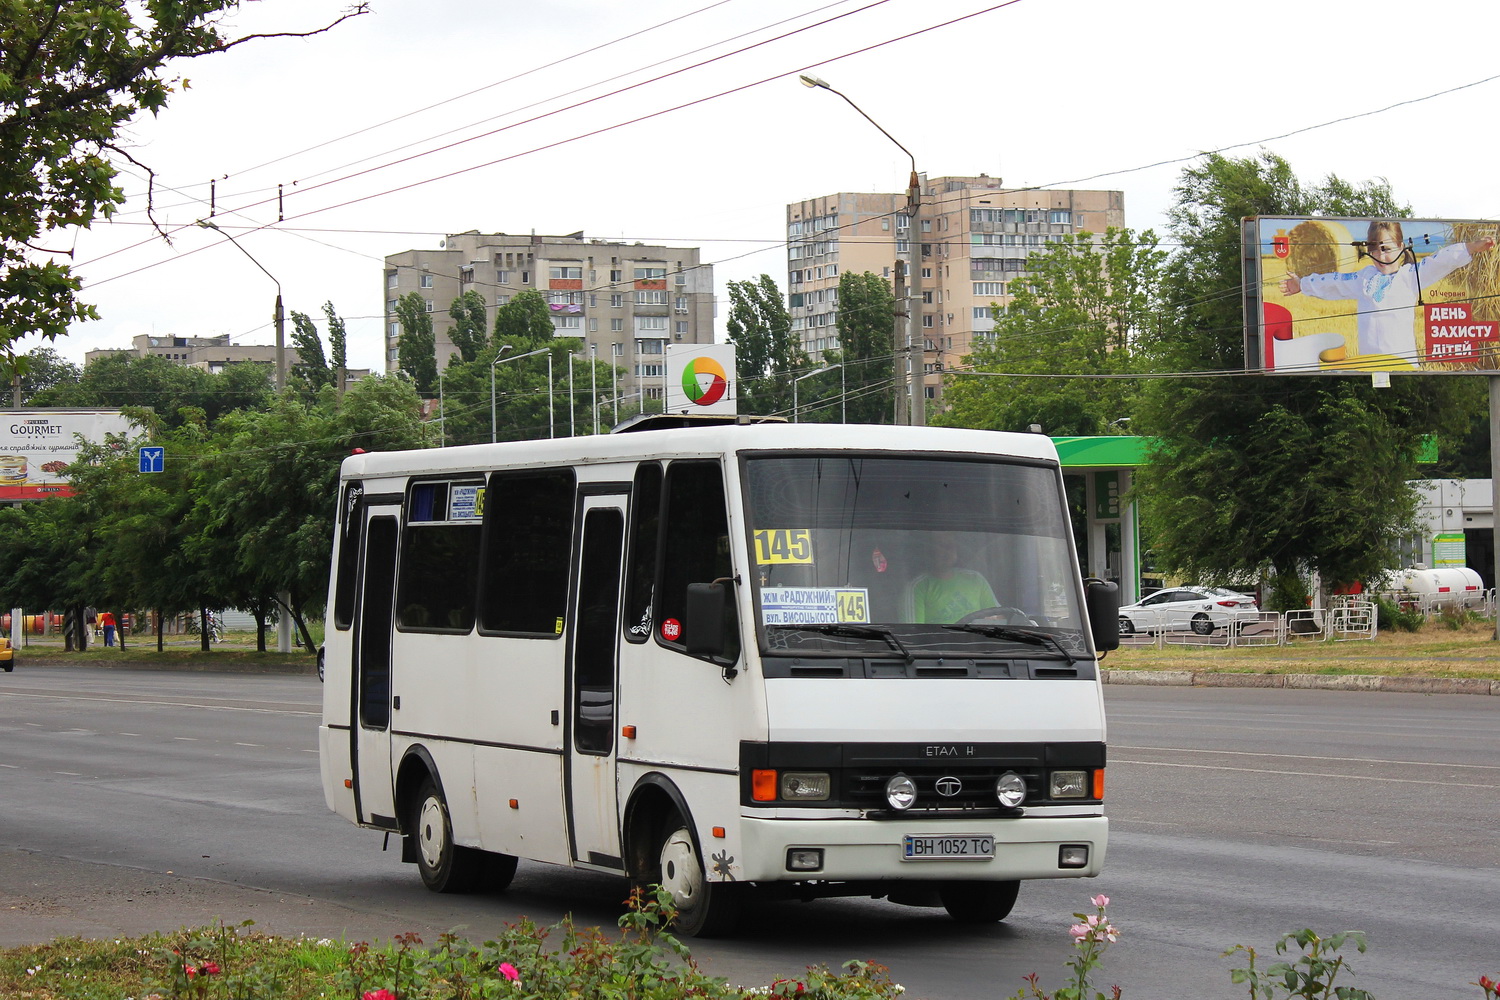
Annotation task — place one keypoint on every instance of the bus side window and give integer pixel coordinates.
(528, 542)
(645, 532)
(695, 533)
(351, 524)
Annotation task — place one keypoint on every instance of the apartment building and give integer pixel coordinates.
(974, 236)
(624, 301)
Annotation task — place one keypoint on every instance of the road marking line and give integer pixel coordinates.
(1302, 756)
(1305, 774)
(156, 704)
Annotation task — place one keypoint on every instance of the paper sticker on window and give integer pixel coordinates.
(466, 503)
(783, 545)
(814, 605)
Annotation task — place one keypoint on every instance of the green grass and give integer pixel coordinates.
(237, 650)
(1435, 650)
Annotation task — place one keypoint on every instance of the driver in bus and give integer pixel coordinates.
(947, 592)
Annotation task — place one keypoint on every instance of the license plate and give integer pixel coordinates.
(949, 847)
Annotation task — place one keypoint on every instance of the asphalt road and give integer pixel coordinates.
(145, 800)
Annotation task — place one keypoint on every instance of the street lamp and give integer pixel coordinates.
(278, 317)
(529, 354)
(916, 377)
(796, 418)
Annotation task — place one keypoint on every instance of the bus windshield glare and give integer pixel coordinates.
(915, 557)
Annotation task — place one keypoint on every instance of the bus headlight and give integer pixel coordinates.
(901, 792)
(804, 786)
(1010, 789)
(1068, 785)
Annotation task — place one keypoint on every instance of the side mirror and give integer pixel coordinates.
(703, 627)
(1102, 600)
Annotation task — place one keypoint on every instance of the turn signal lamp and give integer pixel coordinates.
(763, 786)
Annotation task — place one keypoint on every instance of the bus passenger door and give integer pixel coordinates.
(374, 785)
(593, 637)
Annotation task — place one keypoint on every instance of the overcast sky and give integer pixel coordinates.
(1060, 93)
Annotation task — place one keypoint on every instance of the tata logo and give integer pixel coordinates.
(949, 786)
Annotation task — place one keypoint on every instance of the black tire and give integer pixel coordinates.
(1202, 625)
(1127, 627)
(704, 909)
(444, 866)
(979, 902)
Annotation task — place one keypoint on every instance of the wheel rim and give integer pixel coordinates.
(431, 832)
(1202, 625)
(681, 875)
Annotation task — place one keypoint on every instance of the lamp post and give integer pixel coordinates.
(529, 354)
(796, 413)
(278, 317)
(916, 377)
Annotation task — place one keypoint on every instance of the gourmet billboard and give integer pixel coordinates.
(36, 446)
(1379, 295)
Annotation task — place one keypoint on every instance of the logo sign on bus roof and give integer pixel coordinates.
(700, 378)
(1327, 295)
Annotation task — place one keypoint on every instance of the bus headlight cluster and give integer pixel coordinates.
(804, 786)
(1010, 789)
(1068, 785)
(901, 792)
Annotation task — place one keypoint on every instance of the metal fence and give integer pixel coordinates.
(1347, 620)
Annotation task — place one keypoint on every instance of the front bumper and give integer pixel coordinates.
(1026, 847)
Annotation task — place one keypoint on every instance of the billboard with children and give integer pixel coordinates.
(1325, 295)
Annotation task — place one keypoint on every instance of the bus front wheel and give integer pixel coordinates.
(704, 908)
(444, 866)
(979, 902)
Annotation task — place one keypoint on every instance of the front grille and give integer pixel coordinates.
(865, 789)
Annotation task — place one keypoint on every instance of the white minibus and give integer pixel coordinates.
(795, 659)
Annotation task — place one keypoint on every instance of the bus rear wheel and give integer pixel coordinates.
(979, 902)
(444, 866)
(704, 909)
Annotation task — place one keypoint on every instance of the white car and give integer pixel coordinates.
(1201, 609)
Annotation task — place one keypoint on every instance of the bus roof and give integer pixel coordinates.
(698, 442)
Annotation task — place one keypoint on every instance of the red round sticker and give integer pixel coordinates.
(671, 630)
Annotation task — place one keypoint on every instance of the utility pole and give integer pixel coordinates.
(903, 305)
(916, 340)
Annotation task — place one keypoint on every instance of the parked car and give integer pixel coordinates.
(1201, 609)
(7, 656)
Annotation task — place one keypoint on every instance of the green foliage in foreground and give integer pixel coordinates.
(564, 962)
(527, 962)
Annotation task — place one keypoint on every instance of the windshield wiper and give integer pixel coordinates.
(861, 632)
(1017, 634)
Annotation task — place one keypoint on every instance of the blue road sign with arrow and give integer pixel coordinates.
(153, 459)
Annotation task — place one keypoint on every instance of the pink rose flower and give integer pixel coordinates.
(1080, 931)
(1100, 900)
(510, 972)
(209, 969)
(380, 994)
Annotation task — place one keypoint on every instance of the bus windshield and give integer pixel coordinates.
(911, 557)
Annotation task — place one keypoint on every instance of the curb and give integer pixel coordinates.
(1325, 682)
(184, 666)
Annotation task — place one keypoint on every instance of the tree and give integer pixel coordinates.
(525, 322)
(1079, 310)
(470, 324)
(766, 350)
(263, 506)
(311, 367)
(338, 340)
(164, 387)
(72, 74)
(40, 369)
(416, 351)
(1295, 473)
(867, 312)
